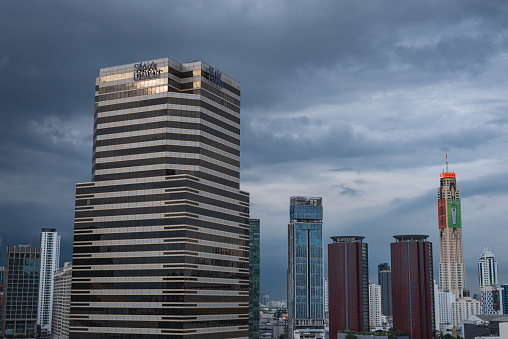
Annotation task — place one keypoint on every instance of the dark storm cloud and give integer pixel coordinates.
(289, 56)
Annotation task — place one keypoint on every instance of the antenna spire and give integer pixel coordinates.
(447, 163)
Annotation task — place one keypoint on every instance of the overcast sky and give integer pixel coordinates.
(354, 101)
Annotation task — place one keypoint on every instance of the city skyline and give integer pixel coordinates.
(364, 100)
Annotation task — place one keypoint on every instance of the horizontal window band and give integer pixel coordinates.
(162, 157)
(170, 98)
(169, 120)
(168, 133)
(164, 166)
(166, 146)
(174, 110)
(211, 132)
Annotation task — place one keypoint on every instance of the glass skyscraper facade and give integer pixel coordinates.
(21, 291)
(305, 263)
(254, 260)
(384, 278)
(161, 233)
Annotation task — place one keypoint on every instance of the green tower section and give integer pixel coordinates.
(254, 278)
(453, 209)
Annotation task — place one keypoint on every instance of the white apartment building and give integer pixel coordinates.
(445, 301)
(50, 259)
(61, 302)
(375, 319)
(463, 309)
(487, 269)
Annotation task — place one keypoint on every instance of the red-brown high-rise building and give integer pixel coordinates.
(348, 285)
(412, 286)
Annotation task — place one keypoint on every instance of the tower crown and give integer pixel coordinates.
(447, 175)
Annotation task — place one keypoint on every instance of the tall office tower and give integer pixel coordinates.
(50, 260)
(348, 276)
(161, 233)
(21, 291)
(384, 279)
(412, 279)
(61, 302)
(452, 271)
(375, 306)
(254, 260)
(487, 269)
(305, 265)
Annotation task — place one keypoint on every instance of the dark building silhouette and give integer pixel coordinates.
(254, 259)
(21, 291)
(412, 282)
(348, 279)
(384, 279)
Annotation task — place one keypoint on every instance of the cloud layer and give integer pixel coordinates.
(354, 102)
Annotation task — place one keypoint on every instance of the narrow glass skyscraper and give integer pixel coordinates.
(305, 264)
(254, 261)
(384, 279)
(50, 260)
(161, 233)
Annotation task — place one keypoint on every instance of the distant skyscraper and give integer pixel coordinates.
(445, 301)
(384, 279)
(491, 298)
(487, 269)
(254, 260)
(463, 309)
(490, 293)
(61, 302)
(375, 306)
(21, 290)
(161, 232)
(436, 306)
(50, 260)
(348, 278)
(305, 264)
(452, 271)
(505, 298)
(412, 283)
(325, 292)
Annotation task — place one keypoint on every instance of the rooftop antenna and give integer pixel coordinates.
(447, 163)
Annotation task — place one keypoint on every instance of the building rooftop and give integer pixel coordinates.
(411, 237)
(306, 201)
(350, 238)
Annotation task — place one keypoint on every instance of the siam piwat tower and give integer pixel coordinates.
(452, 272)
(161, 232)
